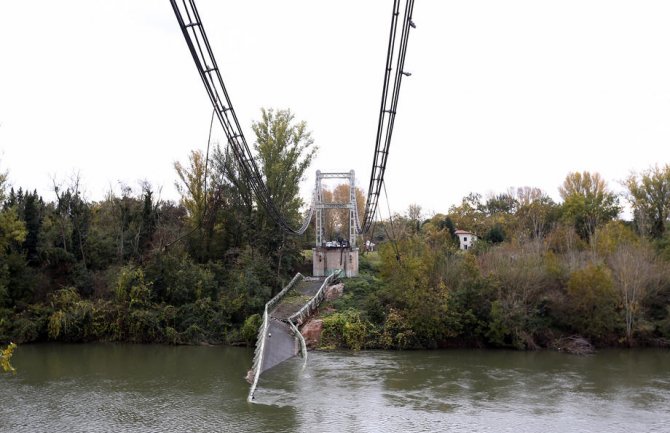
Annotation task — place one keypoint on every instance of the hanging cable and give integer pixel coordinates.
(198, 44)
(209, 141)
(389, 104)
(393, 240)
(196, 39)
(204, 210)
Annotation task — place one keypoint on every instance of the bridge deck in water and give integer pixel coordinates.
(281, 343)
(278, 337)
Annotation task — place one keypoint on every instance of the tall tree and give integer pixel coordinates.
(12, 230)
(633, 269)
(191, 185)
(535, 211)
(230, 219)
(32, 213)
(587, 202)
(285, 150)
(197, 198)
(649, 195)
(470, 215)
(414, 217)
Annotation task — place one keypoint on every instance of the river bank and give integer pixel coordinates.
(433, 297)
(457, 299)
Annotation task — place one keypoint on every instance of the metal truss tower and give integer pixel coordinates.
(320, 206)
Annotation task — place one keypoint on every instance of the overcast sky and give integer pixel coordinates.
(502, 93)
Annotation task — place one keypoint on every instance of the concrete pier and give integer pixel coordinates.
(325, 260)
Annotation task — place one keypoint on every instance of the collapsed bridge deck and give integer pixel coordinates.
(278, 337)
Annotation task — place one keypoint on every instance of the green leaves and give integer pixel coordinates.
(587, 203)
(649, 195)
(347, 328)
(285, 152)
(593, 301)
(5, 358)
(12, 229)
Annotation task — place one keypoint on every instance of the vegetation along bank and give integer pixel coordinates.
(135, 268)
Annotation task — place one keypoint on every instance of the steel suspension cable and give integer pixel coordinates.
(393, 240)
(388, 107)
(204, 211)
(192, 28)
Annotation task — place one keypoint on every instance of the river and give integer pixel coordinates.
(147, 388)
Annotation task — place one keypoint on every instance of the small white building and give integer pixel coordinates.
(466, 239)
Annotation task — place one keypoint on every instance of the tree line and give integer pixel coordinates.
(541, 272)
(134, 267)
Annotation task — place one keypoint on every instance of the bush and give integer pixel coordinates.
(396, 333)
(105, 316)
(72, 319)
(171, 335)
(345, 329)
(144, 327)
(249, 331)
(25, 330)
(194, 334)
(175, 279)
(593, 302)
(131, 288)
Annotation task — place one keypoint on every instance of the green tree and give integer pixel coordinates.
(593, 302)
(32, 212)
(196, 197)
(285, 150)
(504, 203)
(233, 207)
(470, 214)
(634, 271)
(416, 289)
(12, 231)
(191, 186)
(649, 196)
(519, 276)
(536, 211)
(587, 203)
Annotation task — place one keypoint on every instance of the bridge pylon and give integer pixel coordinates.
(329, 255)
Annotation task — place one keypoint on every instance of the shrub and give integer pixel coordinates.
(249, 331)
(171, 335)
(396, 333)
(593, 302)
(72, 319)
(345, 329)
(144, 327)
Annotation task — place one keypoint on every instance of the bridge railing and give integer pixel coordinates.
(295, 320)
(313, 303)
(262, 332)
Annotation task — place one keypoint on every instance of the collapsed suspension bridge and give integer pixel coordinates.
(327, 261)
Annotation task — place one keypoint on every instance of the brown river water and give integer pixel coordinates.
(147, 388)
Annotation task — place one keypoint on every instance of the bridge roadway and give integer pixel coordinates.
(280, 343)
(278, 336)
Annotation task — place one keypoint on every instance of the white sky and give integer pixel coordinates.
(502, 93)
